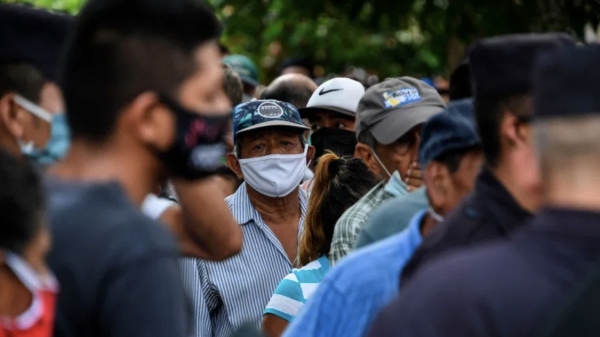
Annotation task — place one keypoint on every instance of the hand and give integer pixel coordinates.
(414, 177)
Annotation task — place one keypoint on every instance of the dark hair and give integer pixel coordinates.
(338, 184)
(122, 48)
(22, 203)
(489, 114)
(21, 78)
(290, 92)
(460, 82)
(298, 61)
(451, 159)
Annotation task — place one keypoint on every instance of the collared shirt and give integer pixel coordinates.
(488, 213)
(353, 292)
(510, 288)
(353, 220)
(392, 217)
(293, 291)
(236, 291)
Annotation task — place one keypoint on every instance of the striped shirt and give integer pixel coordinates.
(236, 291)
(296, 288)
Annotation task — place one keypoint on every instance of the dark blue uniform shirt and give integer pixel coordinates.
(509, 288)
(488, 213)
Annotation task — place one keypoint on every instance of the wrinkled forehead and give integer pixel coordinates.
(271, 132)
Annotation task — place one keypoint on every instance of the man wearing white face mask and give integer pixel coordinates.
(271, 155)
(389, 119)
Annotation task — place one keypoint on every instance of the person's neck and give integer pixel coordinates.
(574, 188)
(276, 210)
(526, 196)
(134, 171)
(10, 145)
(14, 296)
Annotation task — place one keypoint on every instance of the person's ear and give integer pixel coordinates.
(513, 131)
(150, 121)
(435, 177)
(310, 154)
(364, 152)
(234, 164)
(10, 116)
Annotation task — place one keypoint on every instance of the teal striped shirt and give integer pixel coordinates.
(293, 291)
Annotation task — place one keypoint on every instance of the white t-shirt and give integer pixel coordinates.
(154, 207)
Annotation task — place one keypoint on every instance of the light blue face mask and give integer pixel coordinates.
(396, 186)
(58, 145)
(60, 135)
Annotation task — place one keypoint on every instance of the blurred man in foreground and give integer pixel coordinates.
(513, 287)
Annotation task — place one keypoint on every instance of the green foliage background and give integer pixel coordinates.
(390, 38)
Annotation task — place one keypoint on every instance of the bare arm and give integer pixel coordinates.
(202, 223)
(273, 326)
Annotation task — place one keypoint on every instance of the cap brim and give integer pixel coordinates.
(390, 129)
(311, 112)
(249, 81)
(272, 124)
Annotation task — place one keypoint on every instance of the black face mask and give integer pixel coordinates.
(198, 149)
(339, 141)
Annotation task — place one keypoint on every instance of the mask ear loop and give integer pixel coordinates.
(380, 163)
(33, 108)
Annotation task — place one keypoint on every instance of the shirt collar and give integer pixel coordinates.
(503, 206)
(414, 227)
(247, 212)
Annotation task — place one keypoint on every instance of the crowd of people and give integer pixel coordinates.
(151, 186)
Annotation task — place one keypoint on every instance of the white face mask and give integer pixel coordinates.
(275, 175)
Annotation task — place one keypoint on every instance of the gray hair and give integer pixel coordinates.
(366, 137)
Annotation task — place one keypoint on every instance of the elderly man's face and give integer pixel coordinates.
(264, 142)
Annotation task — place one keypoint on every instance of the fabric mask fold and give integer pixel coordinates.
(275, 175)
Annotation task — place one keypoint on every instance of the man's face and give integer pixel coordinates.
(264, 142)
(331, 119)
(447, 189)
(401, 154)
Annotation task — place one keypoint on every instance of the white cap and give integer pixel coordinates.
(338, 94)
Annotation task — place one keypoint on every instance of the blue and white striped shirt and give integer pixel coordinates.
(293, 291)
(236, 291)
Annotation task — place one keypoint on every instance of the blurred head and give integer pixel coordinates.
(116, 93)
(293, 88)
(390, 117)
(501, 68)
(451, 156)
(338, 184)
(297, 65)
(232, 85)
(247, 71)
(22, 208)
(28, 102)
(567, 126)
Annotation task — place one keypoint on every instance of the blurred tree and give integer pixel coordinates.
(390, 38)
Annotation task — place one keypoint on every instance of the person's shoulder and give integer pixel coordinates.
(365, 264)
(474, 272)
(101, 217)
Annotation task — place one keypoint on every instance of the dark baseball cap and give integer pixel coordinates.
(566, 83)
(244, 67)
(453, 129)
(393, 107)
(265, 113)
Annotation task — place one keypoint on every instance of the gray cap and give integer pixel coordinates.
(395, 106)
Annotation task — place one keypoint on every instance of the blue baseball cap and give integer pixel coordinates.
(453, 129)
(265, 113)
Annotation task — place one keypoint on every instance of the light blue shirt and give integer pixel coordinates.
(237, 290)
(355, 290)
(296, 288)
